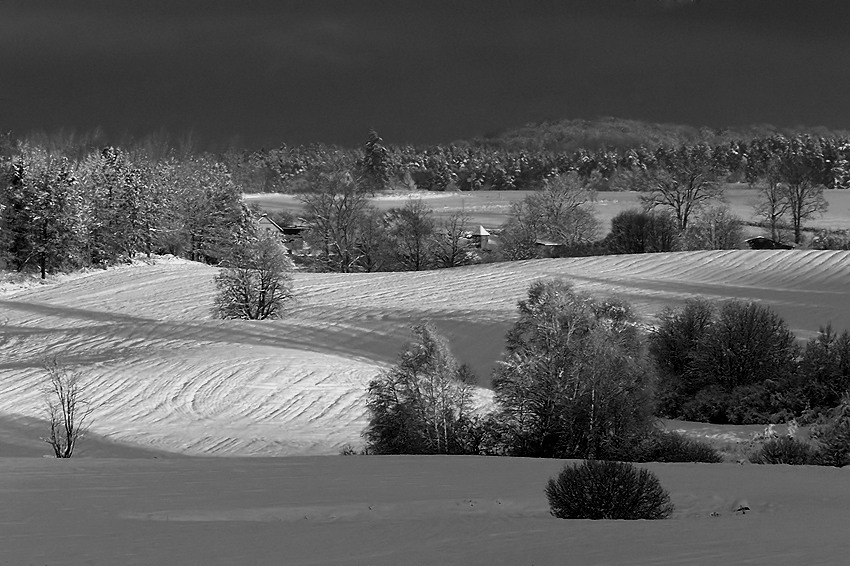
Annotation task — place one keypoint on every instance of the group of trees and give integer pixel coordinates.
(349, 234)
(57, 213)
(740, 363)
(582, 378)
(574, 382)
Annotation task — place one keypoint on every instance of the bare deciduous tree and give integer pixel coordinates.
(684, 180)
(451, 248)
(561, 212)
(67, 407)
(334, 210)
(772, 202)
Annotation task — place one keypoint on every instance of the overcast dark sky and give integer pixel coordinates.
(268, 72)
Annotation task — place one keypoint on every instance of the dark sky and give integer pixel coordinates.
(266, 72)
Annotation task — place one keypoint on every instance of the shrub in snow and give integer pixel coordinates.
(661, 446)
(598, 489)
(834, 436)
(785, 450)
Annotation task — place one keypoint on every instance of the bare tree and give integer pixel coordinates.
(772, 202)
(805, 200)
(451, 249)
(683, 181)
(410, 229)
(334, 211)
(800, 171)
(67, 407)
(562, 212)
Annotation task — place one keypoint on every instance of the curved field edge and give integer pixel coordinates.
(165, 375)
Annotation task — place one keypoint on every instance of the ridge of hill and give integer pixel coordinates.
(165, 375)
(570, 135)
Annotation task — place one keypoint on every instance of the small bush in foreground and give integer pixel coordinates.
(661, 446)
(597, 489)
(785, 450)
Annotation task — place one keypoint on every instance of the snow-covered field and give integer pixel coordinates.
(492, 208)
(164, 375)
(168, 381)
(371, 510)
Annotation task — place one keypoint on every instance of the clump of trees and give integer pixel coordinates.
(732, 364)
(575, 382)
(582, 378)
(58, 213)
(77, 201)
(740, 363)
(638, 231)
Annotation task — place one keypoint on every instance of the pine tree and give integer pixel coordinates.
(375, 165)
(42, 211)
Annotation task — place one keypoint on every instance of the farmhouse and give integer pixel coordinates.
(269, 226)
(291, 236)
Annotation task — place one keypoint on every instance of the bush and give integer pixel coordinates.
(637, 231)
(785, 450)
(834, 437)
(661, 446)
(607, 490)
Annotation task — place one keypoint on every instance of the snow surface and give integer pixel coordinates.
(372, 510)
(169, 381)
(164, 375)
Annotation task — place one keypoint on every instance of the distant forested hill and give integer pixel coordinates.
(567, 136)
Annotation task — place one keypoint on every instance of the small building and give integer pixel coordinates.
(549, 248)
(269, 226)
(480, 237)
(292, 237)
(762, 243)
